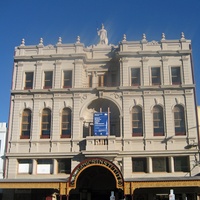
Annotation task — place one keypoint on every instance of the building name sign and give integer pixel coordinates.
(97, 162)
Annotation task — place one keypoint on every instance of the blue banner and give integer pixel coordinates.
(101, 124)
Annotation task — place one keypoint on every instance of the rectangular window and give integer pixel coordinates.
(181, 164)
(176, 75)
(160, 164)
(67, 79)
(28, 80)
(90, 80)
(64, 166)
(25, 166)
(135, 77)
(44, 166)
(139, 164)
(155, 76)
(48, 77)
(113, 79)
(102, 80)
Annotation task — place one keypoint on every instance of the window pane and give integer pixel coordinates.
(67, 81)
(102, 80)
(26, 123)
(44, 166)
(158, 123)
(137, 125)
(25, 166)
(160, 164)
(90, 80)
(64, 166)
(139, 164)
(48, 79)
(46, 122)
(28, 80)
(176, 75)
(155, 75)
(181, 164)
(66, 122)
(179, 120)
(135, 76)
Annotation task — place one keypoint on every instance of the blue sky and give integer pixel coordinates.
(50, 19)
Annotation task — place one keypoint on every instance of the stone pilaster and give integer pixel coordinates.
(58, 76)
(78, 71)
(38, 75)
(146, 72)
(165, 71)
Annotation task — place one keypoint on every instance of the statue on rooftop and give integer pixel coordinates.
(103, 35)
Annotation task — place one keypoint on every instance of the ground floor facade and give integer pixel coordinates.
(99, 178)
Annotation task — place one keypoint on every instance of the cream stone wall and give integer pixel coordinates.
(94, 60)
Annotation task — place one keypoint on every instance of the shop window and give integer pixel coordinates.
(26, 124)
(46, 123)
(158, 123)
(176, 75)
(66, 123)
(25, 166)
(139, 165)
(64, 166)
(135, 77)
(179, 120)
(48, 77)
(67, 79)
(137, 125)
(44, 166)
(160, 164)
(181, 164)
(155, 76)
(28, 80)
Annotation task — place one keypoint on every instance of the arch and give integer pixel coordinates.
(96, 98)
(101, 105)
(96, 162)
(26, 124)
(66, 122)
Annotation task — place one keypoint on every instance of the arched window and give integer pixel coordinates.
(66, 123)
(26, 124)
(158, 123)
(137, 124)
(46, 123)
(179, 120)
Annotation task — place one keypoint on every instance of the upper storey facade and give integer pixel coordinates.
(131, 63)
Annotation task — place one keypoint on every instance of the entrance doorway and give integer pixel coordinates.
(95, 183)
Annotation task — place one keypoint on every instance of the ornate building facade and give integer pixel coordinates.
(146, 89)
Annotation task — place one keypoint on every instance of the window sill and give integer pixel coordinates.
(158, 134)
(47, 87)
(44, 136)
(137, 135)
(67, 86)
(180, 134)
(24, 137)
(65, 136)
